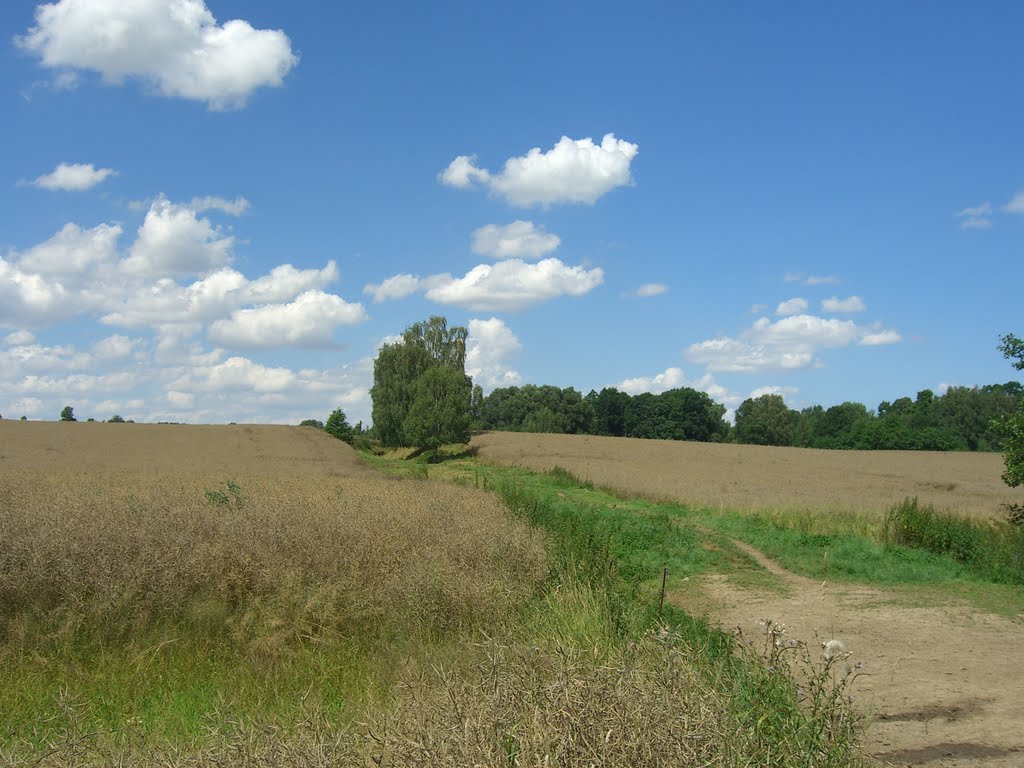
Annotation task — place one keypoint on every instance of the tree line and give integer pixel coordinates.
(422, 397)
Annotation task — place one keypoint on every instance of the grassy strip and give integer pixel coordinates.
(817, 546)
(615, 551)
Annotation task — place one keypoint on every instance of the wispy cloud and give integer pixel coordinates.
(977, 216)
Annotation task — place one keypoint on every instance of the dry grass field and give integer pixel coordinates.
(268, 533)
(177, 579)
(749, 477)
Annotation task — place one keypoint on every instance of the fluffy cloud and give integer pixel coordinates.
(73, 177)
(791, 342)
(237, 373)
(506, 286)
(165, 302)
(573, 171)
(309, 321)
(791, 307)
(514, 284)
(397, 287)
(520, 239)
(166, 371)
(491, 344)
(851, 304)
(72, 251)
(175, 46)
(29, 299)
(173, 240)
(25, 359)
(462, 173)
(670, 378)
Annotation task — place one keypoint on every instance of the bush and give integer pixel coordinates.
(991, 549)
(337, 426)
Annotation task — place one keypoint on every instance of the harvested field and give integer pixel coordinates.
(751, 477)
(51, 446)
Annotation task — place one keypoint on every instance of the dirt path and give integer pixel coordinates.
(941, 686)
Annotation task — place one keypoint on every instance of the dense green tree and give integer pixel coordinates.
(312, 423)
(68, 414)
(1012, 426)
(440, 409)
(337, 426)
(609, 408)
(115, 419)
(765, 420)
(397, 372)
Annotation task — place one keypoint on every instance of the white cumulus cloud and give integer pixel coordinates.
(490, 346)
(670, 378)
(572, 171)
(173, 240)
(72, 251)
(396, 287)
(73, 177)
(176, 47)
(791, 307)
(308, 321)
(513, 284)
(520, 239)
(788, 343)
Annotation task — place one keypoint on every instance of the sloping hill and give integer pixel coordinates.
(243, 448)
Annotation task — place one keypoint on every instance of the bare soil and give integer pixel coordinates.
(943, 684)
(753, 477)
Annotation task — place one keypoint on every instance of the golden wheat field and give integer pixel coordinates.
(267, 534)
(752, 477)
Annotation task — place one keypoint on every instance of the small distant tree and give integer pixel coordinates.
(337, 426)
(115, 419)
(1012, 428)
(24, 418)
(312, 423)
(68, 414)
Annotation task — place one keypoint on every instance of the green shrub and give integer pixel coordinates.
(992, 549)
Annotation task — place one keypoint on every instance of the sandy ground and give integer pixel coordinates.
(758, 477)
(941, 686)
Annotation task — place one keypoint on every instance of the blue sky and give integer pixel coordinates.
(217, 212)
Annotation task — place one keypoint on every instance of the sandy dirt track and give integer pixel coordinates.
(942, 686)
(757, 477)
